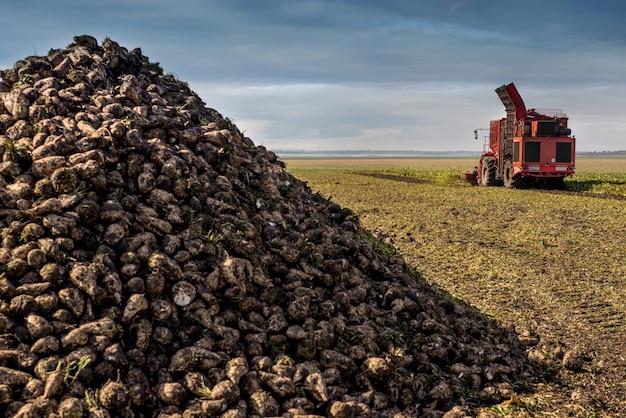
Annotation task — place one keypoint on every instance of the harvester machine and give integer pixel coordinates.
(528, 145)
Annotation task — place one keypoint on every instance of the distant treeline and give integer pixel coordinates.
(410, 153)
(621, 153)
(362, 151)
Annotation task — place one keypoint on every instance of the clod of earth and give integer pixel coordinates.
(574, 360)
(155, 262)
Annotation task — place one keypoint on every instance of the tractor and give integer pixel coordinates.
(528, 146)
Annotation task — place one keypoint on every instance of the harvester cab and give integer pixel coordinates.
(526, 145)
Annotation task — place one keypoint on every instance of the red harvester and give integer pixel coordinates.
(531, 144)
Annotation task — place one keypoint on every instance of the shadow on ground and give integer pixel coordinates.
(500, 396)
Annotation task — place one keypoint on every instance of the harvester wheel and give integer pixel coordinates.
(488, 173)
(510, 180)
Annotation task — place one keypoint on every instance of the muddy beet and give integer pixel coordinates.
(155, 262)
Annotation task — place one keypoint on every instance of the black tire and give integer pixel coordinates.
(511, 181)
(488, 174)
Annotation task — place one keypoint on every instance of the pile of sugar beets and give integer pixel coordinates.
(156, 263)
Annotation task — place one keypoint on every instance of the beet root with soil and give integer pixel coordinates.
(155, 262)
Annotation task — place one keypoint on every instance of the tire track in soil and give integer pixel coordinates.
(593, 318)
(602, 332)
(587, 305)
(396, 177)
(591, 307)
(407, 179)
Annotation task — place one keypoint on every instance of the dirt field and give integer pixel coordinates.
(583, 165)
(553, 263)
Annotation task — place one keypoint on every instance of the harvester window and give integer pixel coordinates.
(546, 128)
(532, 152)
(516, 151)
(563, 152)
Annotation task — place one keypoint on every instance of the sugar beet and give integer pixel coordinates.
(155, 262)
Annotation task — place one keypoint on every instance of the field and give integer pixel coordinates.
(551, 263)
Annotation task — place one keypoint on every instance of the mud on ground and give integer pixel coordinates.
(550, 263)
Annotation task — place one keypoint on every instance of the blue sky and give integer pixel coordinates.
(362, 74)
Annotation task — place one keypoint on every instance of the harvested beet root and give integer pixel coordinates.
(154, 262)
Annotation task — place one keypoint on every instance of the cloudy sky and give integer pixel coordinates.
(362, 74)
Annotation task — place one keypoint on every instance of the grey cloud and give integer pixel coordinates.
(428, 116)
(343, 73)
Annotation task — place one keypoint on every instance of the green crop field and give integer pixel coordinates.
(550, 263)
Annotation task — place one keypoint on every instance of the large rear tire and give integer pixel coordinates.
(511, 180)
(488, 173)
